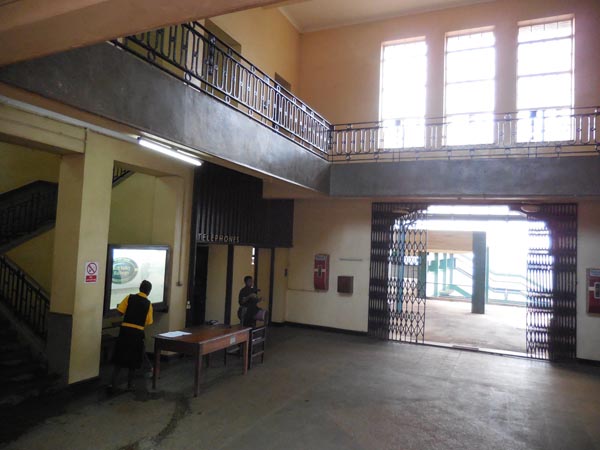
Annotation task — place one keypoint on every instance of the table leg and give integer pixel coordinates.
(156, 364)
(245, 370)
(197, 372)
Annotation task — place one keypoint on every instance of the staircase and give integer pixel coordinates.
(25, 213)
(22, 374)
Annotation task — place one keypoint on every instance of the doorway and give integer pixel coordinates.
(496, 277)
(197, 308)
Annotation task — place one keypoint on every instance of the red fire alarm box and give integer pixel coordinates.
(321, 272)
(593, 284)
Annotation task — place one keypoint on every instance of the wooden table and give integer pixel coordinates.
(201, 341)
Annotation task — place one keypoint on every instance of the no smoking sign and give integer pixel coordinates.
(91, 272)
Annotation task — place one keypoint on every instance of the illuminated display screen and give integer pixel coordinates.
(130, 265)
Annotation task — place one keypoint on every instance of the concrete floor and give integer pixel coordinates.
(320, 390)
(500, 328)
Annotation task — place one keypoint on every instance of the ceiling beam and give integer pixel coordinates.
(34, 28)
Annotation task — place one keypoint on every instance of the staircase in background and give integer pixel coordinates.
(22, 374)
(26, 212)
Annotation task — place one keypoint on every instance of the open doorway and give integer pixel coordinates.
(535, 259)
(477, 277)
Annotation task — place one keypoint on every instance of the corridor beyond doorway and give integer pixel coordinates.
(493, 317)
(501, 327)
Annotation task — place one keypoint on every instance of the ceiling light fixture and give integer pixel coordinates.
(530, 208)
(169, 151)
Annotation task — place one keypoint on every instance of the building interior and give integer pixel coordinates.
(412, 185)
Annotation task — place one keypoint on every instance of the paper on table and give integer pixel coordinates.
(174, 334)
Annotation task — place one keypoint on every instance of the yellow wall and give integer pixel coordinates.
(216, 281)
(264, 273)
(242, 266)
(268, 40)
(280, 284)
(339, 72)
(132, 210)
(217, 277)
(21, 165)
(588, 256)
(342, 229)
(82, 232)
(35, 258)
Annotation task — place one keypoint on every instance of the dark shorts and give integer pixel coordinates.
(129, 348)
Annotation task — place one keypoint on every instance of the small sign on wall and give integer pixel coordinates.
(321, 272)
(91, 272)
(593, 284)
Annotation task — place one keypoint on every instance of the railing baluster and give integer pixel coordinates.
(23, 296)
(191, 49)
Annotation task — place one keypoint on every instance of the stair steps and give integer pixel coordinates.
(22, 376)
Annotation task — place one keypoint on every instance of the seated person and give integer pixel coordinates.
(248, 298)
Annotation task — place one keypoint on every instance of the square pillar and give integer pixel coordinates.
(81, 236)
(479, 272)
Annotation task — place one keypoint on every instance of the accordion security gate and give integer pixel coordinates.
(398, 277)
(398, 270)
(552, 283)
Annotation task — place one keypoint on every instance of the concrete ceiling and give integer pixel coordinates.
(312, 15)
(33, 28)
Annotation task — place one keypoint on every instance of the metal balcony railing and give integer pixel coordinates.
(198, 58)
(191, 53)
(550, 132)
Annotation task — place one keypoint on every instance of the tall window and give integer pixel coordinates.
(470, 91)
(402, 97)
(545, 81)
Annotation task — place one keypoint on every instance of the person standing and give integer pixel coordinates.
(248, 298)
(130, 348)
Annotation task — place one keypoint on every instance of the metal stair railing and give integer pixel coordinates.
(24, 296)
(25, 210)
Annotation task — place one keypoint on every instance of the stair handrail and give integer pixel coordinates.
(26, 298)
(25, 209)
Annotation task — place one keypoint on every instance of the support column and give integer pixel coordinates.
(81, 236)
(479, 272)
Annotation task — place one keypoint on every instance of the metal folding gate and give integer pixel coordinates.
(398, 277)
(552, 282)
(398, 271)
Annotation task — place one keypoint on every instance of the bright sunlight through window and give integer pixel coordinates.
(403, 87)
(545, 81)
(470, 91)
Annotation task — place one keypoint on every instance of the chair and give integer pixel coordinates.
(257, 342)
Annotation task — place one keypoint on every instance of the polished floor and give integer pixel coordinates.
(500, 328)
(320, 390)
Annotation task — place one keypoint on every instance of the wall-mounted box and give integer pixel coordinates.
(345, 285)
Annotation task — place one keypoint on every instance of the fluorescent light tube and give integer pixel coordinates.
(166, 150)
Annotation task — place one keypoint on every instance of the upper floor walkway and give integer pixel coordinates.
(202, 85)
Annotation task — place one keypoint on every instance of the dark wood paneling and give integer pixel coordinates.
(229, 209)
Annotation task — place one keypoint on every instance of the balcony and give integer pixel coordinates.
(190, 53)
(206, 96)
(525, 134)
